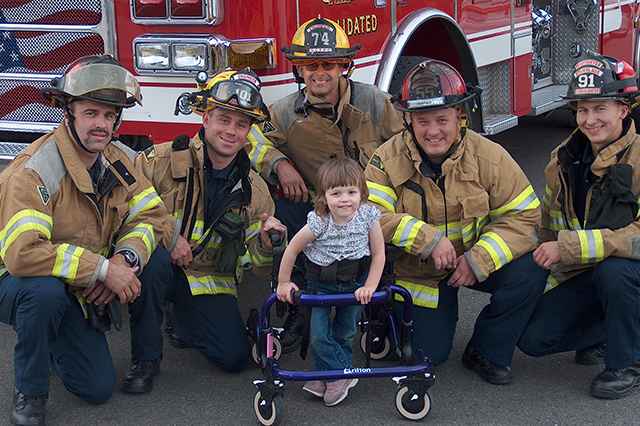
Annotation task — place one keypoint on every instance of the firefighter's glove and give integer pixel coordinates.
(231, 228)
(228, 254)
(102, 316)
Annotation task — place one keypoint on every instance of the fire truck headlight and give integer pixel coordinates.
(152, 56)
(192, 57)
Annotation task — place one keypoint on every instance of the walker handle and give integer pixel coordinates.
(296, 296)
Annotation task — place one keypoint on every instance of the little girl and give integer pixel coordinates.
(344, 245)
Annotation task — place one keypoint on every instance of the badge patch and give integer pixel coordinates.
(376, 162)
(44, 195)
(267, 127)
(149, 153)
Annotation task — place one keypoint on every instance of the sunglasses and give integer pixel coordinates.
(327, 66)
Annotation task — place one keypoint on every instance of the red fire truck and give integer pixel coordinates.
(519, 51)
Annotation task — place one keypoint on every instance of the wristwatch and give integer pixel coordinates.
(130, 256)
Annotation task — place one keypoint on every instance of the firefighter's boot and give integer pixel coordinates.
(172, 336)
(291, 335)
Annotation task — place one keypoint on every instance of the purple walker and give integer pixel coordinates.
(384, 335)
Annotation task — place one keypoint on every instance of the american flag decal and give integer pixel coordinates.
(31, 50)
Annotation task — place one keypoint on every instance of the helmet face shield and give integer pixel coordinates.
(97, 78)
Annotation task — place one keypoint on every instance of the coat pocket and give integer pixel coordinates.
(473, 217)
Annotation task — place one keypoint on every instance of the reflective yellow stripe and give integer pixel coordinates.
(547, 196)
(253, 231)
(67, 261)
(591, 246)
(527, 200)
(638, 212)
(83, 304)
(575, 225)
(198, 230)
(24, 221)
(260, 260)
(556, 220)
(145, 233)
(144, 201)
(383, 195)
(551, 283)
(469, 233)
(497, 249)
(260, 145)
(422, 295)
(212, 285)
(452, 230)
(406, 232)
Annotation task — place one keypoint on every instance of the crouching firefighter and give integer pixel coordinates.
(219, 215)
(79, 227)
(590, 232)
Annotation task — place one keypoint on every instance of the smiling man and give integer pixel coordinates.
(220, 213)
(590, 233)
(463, 214)
(332, 116)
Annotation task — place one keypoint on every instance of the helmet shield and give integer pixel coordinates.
(99, 78)
(105, 83)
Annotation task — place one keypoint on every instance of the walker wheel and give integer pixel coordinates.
(268, 414)
(380, 346)
(277, 349)
(411, 405)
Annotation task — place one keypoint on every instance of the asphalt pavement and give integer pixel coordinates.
(189, 391)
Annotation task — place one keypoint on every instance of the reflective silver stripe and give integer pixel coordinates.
(21, 222)
(147, 202)
(591, 246)
(408, 233)
(212, 285)
(492, 243)
(259, 147)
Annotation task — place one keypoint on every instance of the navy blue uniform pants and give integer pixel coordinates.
(601, 305)
(515, 290)
(52, 332)
(210, 323)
